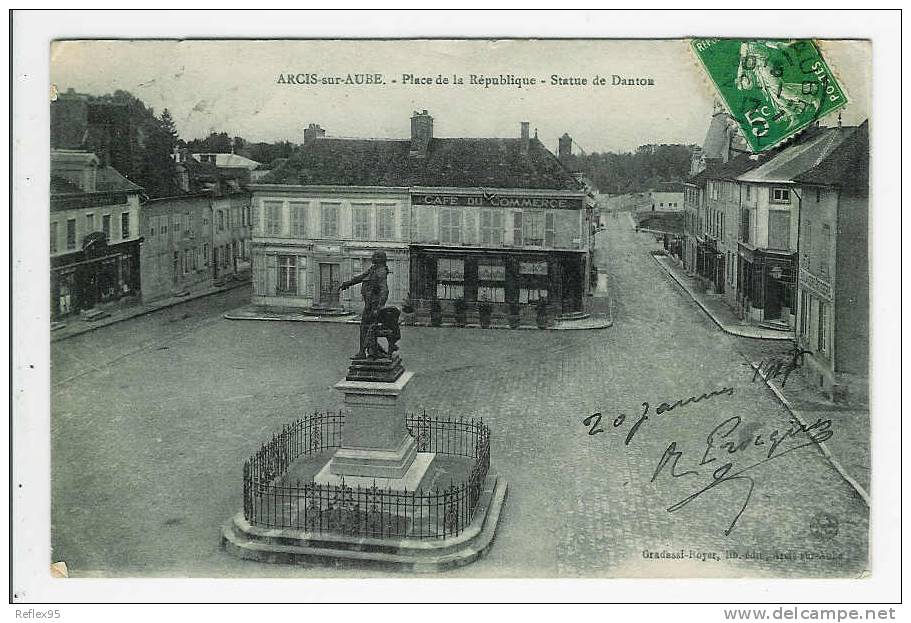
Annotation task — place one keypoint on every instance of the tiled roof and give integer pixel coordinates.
(109, 180)
(795, 159)
(847, 166)
(450, 162)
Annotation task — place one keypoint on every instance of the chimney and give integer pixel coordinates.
(421, 133)
(565, 149)
(524, 136)
(313, 132)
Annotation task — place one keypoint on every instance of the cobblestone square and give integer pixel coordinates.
(152, 419)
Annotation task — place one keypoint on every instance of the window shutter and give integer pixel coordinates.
(517, 228)
(271, 274)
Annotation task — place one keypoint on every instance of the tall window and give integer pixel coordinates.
(550, 229)
(89, 223)
(205, 254)
(220, 218)
(807, 243)
(385, 222)
(106, 225)
(71, 233)
(450, 278)
(125, 225)
(451, 225)
(298, 214)
(804, 313)
(54, 235)
(360, 224)
(329, 220)
(534, 229)
(492, 227)
(745, 225)
(517, 228)
(824, 250)
(273, 218)
(822, 342)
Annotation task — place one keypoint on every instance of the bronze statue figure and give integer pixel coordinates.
(377, 320)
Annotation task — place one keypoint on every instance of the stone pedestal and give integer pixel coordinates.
(376, 446)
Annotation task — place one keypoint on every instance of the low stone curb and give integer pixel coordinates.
(588, 324)
(144, 310)
(822, 445)
(285, 546)
(784, 337)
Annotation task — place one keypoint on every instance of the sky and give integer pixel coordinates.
(232, 86)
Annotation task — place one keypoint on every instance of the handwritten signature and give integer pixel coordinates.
(728, 441)
(720, 445)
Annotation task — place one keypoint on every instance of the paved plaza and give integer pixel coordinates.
(153, 417)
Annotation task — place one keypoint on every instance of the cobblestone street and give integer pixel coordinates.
(153, 417)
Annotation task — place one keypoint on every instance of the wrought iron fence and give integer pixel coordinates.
(271, 501)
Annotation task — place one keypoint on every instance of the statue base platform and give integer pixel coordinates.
(382, 370)
(410, 480)
(409, 555)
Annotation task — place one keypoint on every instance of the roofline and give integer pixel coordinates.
(330, 188)
(472, 190)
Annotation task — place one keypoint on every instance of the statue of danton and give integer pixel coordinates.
(377, 320)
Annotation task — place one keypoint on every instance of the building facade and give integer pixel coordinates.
(498, 221)
(94, 234)
(307, 240)
(833, 325)
(192, 241)
(768, 236)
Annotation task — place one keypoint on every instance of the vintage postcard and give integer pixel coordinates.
(576, 308)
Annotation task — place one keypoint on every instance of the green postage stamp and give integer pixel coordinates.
(772, 88)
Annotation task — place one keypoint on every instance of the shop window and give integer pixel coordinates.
(780, 195)
(491, 280)
(71, 234)
(329, 220)
(287, 274)
(533, 268)
(451, 225)
(532, 295)
(54, 235)
(385, 222)
(534, 229)
(450, 278)
(492, 227)
(360, 226)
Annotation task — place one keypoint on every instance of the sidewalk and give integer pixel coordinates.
(76, 325)
(716, 308)
(848, 449)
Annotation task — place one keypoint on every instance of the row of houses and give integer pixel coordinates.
(477, 220)
(110, 244)
(782, 237)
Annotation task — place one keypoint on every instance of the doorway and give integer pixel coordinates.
(329, 281)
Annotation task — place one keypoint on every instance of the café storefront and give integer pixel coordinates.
(510, 253)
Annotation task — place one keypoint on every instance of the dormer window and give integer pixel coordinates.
(780, 195)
